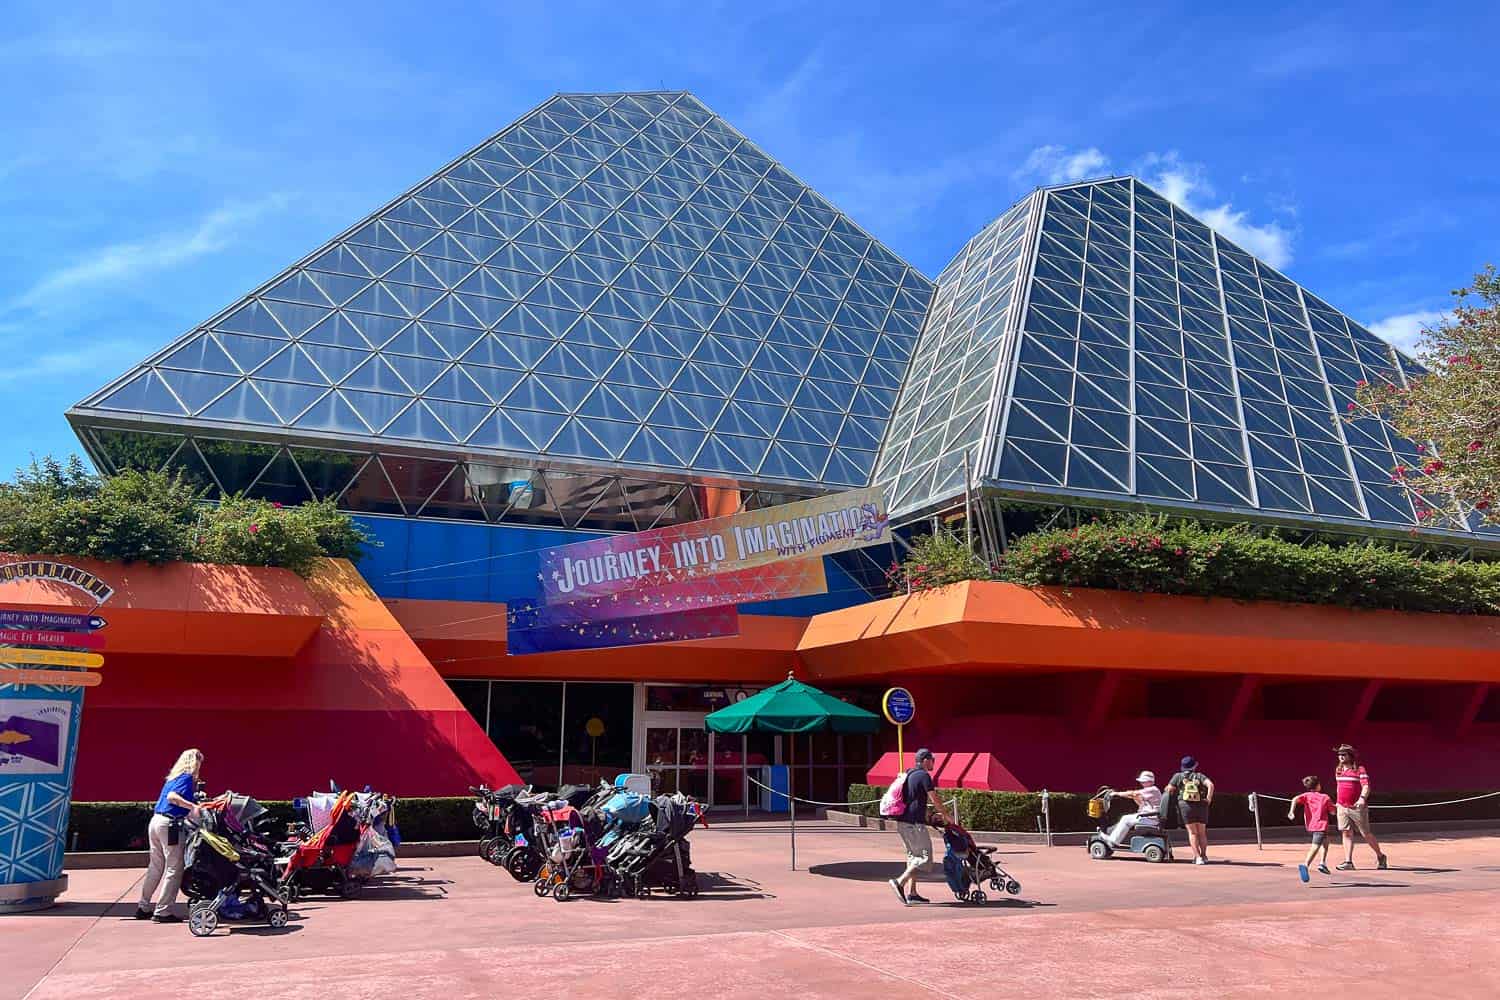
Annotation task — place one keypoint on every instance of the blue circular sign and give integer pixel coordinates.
(898, 706)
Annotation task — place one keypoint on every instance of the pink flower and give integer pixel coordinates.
(1064, 554)
(1361, 384)
(1482, 505)
(1351, 407)
(1433, 466)
(275, 504)
(1177, 552)
(1475, 445)
(254, 529)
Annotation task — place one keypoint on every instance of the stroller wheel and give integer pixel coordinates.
(521, 865)
(542, 887)
(562, 892)
(1013, 887)
(291, 891)
(203, 920)
(978, 897)
(277, 917)
(349, 888)
(690, 885)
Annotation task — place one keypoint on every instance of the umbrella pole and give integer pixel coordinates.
(791, 800)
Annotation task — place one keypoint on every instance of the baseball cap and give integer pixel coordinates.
(1146, 777)
(924, 754)
(1189, 762)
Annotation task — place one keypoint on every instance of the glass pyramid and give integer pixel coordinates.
(1099, 344)
(614, 281)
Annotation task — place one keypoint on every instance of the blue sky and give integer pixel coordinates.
(156, 161)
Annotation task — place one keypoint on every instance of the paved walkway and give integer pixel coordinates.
(455, 927)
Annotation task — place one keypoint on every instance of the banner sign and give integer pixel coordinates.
(698, 549)
(45, 569)
(791, 578)
(20, 676)
(30, 637)
(50, 621)
(533, 627)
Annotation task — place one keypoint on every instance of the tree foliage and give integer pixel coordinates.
(1154, 555)
(60, 508)
(1452, 411)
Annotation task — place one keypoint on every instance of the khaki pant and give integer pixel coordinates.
(165, 860)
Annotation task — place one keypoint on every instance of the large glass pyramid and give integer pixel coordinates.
(616, 281)
(1098, 344)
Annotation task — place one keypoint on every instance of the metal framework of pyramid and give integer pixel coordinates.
(614, 280)
(619, 304)
(1099, 344)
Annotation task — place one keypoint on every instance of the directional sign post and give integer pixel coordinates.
(899, 708)
(56, 678)
(49, 621)
(51, 657)
(49, 637)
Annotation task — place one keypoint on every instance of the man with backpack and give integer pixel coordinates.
(906, 802)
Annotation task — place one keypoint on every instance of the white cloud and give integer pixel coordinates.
(1186, 185)
(121, 261)
(1403, 329)
(109, 355)
(1058, 165)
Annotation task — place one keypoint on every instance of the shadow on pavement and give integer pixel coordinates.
(1363, 885)
(860, 871)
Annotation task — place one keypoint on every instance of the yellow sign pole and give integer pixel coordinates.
(51, 657)
(898, 707)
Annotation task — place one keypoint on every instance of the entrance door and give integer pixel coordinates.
(678, 758)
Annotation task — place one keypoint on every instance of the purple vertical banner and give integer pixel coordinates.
(534, 627)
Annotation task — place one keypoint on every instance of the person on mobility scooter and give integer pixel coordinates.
(1140, 832)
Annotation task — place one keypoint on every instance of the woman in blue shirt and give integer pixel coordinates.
(175, 802)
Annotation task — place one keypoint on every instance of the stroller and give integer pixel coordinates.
(492, 809)
(573, 864)
(657, 854)
(348, 840)
(966, 864)
(229, 871)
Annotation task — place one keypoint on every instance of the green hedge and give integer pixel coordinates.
(1017, 812)
(121, 826)
(1163, 556)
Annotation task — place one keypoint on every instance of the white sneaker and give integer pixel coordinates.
(1200, 860)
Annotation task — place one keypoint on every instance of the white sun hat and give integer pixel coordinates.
(1146, 777)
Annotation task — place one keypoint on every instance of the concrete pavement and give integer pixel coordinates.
(447, 928)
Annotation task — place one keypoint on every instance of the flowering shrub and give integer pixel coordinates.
(1152, 555)
(936, 560)
(55, 508)
(1149, 554)
(1453, 410)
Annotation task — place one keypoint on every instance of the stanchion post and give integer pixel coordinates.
(791, 799)
(1047, 814)
(1255, 811)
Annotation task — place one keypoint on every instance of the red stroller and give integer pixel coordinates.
(327, 860)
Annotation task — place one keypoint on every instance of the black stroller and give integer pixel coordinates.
(967, 867)
(658, 854)
(230, 869)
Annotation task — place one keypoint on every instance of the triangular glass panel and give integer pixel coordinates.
(326, 471)
(332, 413)
(288, 399)
(376, 408)
(203, 354)
(418, 423)
(143, 394)
(241, 405)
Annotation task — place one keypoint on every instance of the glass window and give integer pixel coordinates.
(525, 725)
(588, 758)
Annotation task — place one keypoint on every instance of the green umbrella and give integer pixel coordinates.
(792, 707)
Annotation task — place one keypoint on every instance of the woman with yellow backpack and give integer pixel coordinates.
(1192, 792)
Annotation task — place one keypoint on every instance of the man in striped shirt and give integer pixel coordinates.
(1354, 805)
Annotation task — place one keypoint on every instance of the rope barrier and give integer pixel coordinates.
(815, 802)
(1402, 805)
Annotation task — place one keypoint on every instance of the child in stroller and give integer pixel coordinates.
(229, 870)
(966, 865)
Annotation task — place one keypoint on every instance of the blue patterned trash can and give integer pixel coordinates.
(38, 745)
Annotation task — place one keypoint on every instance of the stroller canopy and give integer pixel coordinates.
(242, 810)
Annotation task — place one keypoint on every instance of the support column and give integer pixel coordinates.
(1469, 711)
(1239, 704)
(1101, 700)
(1362, 706)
